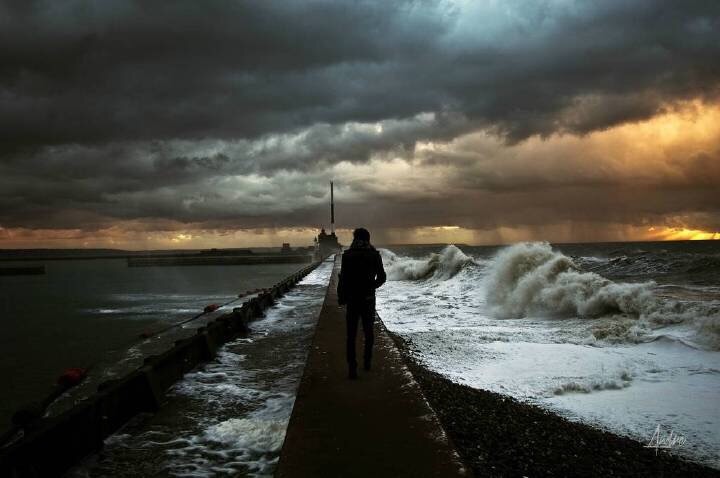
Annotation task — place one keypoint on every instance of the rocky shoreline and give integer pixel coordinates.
(499, 436)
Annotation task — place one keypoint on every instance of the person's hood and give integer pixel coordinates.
(360, 244)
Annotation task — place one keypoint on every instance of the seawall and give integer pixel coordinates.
(51, 445)
(22, 271)
(379, 425)
(206, 260)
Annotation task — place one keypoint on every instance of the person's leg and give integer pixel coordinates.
(368, 321)
(351, 319)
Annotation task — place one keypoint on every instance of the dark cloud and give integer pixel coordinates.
(101, 71)
(78, 71)
(225, 112)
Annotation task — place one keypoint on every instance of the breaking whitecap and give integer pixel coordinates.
(574, 331)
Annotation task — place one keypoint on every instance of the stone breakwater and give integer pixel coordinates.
(200, 260)
(51, 445)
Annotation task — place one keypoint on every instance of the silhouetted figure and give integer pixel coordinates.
(361, 273)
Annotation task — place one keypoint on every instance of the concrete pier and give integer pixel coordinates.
(377, 426)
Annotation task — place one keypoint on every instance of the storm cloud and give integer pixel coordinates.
(223, 114)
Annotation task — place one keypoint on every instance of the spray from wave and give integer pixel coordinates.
(532, 279)
(441, 266)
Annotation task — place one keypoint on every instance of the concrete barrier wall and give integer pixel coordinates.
(217, 260)
(22, 271)
(52, 445)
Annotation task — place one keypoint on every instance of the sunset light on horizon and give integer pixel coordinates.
(488, 127)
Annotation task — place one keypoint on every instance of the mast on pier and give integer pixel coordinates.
(328, 243)
(332, 208)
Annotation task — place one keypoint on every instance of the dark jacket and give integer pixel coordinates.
(361, 273)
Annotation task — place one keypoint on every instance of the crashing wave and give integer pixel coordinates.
(441, 266)
(532, 279)
(704, 268)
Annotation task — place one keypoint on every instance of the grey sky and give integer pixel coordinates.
(227, 114)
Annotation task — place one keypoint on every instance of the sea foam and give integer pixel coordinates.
(572, 334)
(532, 279)
(441, 266)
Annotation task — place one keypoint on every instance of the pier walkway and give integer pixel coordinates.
(377, 426)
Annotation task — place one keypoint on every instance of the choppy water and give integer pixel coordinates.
(91, 312)
(228, 417)
(622, 336)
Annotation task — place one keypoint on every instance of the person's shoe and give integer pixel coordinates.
(352, 374)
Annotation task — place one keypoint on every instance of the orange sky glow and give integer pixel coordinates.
(651, 154)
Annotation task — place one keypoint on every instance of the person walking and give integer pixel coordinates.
(361, 272)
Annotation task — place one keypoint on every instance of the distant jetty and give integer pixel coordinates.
(43, 255)
(208, 257)
(219, 258)
(22, 271)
